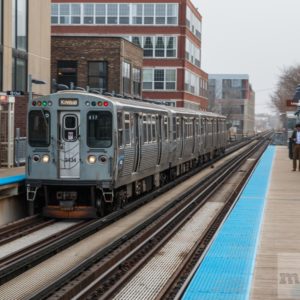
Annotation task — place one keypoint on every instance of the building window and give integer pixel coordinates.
(100, 13)
(115, 13)
(171, 46)
(148, 46)
(126, 77)
(97, 75)
(112, 13)
(159, 47)
(165, 46)
(136, 82)
(67, 72)
(159, 76)
(124, 13)
(76, 13)
(19, 74)
(19, 24)
(193, 23)
(88, 13)
(159, 79)
(172, 14)
(137, 13)
(160, 13)
(64, 14)
(54, 13)
(195, 84)
(148, 14)
(192, 53)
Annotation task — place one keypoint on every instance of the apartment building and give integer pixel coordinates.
(168, 31)
(232, 95)
(24, 49)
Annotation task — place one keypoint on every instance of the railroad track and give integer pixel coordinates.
(22, 227)
(115, 264)
(16, 266)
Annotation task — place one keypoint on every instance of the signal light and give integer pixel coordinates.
(105, 103)
(99, 103)
(33, 103)
(50, 103)
(93, 103)
(44, 103)
(39, 103)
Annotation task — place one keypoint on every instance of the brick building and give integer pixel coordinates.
(110, 64)
(169, 31)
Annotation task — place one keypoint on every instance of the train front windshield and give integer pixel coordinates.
(39, 128)
(99, 133)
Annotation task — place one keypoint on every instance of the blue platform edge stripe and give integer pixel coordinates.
(12, 179)
(226, 271)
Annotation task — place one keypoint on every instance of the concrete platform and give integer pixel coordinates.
(12, 204)
(277, 267)
(11, 175)
(225, 272)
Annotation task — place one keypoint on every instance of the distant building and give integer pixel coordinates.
(168, 31)
(232, 96)
(25, 27)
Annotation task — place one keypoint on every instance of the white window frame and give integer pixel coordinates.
(164, 82)
(167, 5)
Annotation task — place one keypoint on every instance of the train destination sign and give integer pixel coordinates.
(68, 102)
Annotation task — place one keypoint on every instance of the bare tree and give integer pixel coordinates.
(286, 86)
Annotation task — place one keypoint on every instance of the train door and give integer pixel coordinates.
(194, 134)
(182, 134)
(159, 138)
(137, 142)
(69, 146)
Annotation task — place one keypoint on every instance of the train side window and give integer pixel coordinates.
(149, 128)
(166, 131)
(197, 127)
(178, 128)
(174, 129)
(145, 136)
(153, 125)
(120, 129)
(99, 129)
(127, 129)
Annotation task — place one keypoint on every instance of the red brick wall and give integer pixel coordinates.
(85, 49)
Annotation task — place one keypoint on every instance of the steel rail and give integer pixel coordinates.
(208, 184)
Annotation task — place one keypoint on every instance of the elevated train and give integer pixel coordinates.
(89, 154)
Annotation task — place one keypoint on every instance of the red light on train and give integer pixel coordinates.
(33, 103)
(105, 103)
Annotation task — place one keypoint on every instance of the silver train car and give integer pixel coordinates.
(90, 154)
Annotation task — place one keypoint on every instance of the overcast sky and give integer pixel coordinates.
(255, 37)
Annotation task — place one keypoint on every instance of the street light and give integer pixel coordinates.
(30, 82)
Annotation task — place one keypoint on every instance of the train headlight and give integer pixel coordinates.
(45, 158)
(102, 159)
(36, 158)
(91, 159)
